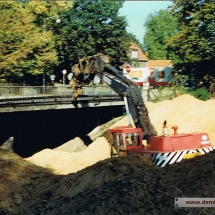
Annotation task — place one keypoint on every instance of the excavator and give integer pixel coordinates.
(162, 150)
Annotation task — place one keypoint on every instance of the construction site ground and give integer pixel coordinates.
(76, 179)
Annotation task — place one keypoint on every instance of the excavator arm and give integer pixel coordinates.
(131, 93)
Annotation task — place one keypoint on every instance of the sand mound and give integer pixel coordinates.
(100, 130)
(62, 162)
(73, 155)
(186, 112)
(74, 145)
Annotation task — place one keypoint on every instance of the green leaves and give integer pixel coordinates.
(201, 93)
(32, 44)
(24, 47)
(91, 27)
(159, 29)
(194, 44)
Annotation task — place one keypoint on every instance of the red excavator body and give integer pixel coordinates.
(162, 150)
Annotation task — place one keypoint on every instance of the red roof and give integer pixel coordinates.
(141, 55)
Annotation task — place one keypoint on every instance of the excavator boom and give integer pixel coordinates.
(132, 94)
(124, 140)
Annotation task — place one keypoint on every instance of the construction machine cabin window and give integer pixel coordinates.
(132, 139)
(118, 142)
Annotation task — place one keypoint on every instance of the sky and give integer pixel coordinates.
(137, 12)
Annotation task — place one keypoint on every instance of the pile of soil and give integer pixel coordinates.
(126, 185)
(43, 184)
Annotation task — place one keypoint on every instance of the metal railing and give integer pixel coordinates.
(98, 90)
(31, 91)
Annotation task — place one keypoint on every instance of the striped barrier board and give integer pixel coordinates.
(164, 159)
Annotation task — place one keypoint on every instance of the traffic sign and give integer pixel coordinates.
(128, 68)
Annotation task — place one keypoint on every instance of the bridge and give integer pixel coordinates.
(39, 117)
(32, 98)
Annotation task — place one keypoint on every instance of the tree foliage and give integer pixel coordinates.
(160, 27)
(135, 40)
(32, 44)
(26, 52)
(194, 44)
(90, 27)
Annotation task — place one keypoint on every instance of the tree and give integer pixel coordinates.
(194, 44)
(160, 27)
(26, 51)
(135, 40)
(90, 27)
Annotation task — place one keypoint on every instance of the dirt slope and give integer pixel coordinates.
(127, 185)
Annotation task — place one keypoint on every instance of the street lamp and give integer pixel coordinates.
(64, 73)
(44, 30)
(52, 77)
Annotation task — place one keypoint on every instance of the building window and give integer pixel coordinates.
(134, 54)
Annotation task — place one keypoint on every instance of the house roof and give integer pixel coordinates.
(159, 63)
(141, 54)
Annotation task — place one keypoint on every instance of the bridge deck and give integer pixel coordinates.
(22, 98)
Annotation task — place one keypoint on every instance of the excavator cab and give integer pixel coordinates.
(162, 150)
(124, 139)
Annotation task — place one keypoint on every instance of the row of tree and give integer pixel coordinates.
(26, 52)
(185, 34)
(33, 44)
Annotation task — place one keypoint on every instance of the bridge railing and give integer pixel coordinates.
(30, 91)
(98, 90)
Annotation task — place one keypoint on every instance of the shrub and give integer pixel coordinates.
(201, 93)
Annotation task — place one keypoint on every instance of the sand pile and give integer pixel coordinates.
(102, 129)
(63, 162)
(186, 112)
(73, 155)
(74, 145)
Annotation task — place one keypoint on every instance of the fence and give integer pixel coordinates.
(100, 90)
(31, 91)
(172, 92)
(8, 84)
(161, 94)
(28, 91)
